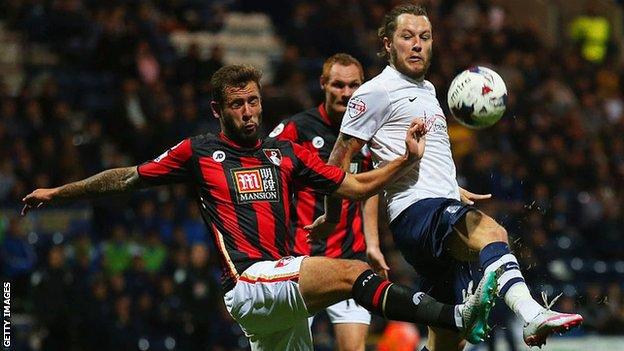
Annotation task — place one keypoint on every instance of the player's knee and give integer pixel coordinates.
(488, 231)
(353, 269)
(500, 233)
(496, 233)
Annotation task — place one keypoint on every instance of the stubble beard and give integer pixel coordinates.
(237, 134)
(401, 67)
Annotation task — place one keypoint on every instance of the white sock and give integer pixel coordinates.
(458, 316)
(519, 299)
(516, 293)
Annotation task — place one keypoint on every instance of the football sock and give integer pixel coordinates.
(396, 302)
(511, 283)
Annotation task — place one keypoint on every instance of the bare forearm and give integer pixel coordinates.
(343, 151)
(112, 181)
(372, 182)
(341, 156)
(371, 221)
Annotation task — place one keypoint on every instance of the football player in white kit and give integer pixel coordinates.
(446, 240)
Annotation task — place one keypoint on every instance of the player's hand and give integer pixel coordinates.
(37, 199)
(320, 229)
(415, 139)
(377, 261)
(469, 198)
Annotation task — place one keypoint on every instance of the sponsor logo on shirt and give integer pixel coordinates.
(218, 156)
(318, 142)
(356, 107)
(277, 130)
(255, 184)
(435, 123)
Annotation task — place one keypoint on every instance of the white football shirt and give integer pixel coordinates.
(380, 112)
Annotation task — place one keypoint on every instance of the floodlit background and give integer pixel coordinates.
(87, 85)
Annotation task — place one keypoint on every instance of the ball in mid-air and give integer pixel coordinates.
(477, 97)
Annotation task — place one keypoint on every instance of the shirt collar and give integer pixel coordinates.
(324, 115)
(232, 143)
(394, 71)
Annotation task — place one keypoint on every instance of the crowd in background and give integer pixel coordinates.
(142, 270)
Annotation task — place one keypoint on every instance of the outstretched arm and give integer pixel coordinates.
(170, 167)
(345, 147)
(112, 181)
(363, 185)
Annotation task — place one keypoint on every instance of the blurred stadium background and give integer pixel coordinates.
(86, 85)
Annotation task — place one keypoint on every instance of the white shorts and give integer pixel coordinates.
(346, 311)
(268, 305)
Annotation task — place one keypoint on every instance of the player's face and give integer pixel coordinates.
(411, 45)
(241, 113)
(340, 84)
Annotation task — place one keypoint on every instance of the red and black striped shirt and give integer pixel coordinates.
(313, 130)
(244, 193)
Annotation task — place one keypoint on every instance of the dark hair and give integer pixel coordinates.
(233, 76)
(389, 24)
(343, 59)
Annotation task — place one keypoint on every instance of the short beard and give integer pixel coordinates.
(237, 135)
(394, 60)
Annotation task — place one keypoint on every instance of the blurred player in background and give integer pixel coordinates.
(355, 236)
(441, 237)
(244, 186)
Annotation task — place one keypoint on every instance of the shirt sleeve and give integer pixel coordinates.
(367, 110)
(311, 171)
(285, 131)
(170, 167)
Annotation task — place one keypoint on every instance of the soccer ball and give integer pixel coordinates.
(477, 97)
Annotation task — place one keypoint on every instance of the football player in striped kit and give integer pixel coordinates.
(244, 186)
(355, 235)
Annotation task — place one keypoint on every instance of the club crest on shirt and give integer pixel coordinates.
(274, 155)
(255, 184)
(284, 261)
(356, 107)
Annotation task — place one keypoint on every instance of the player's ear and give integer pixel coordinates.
(322, 82)
(387, 42)
(214, 106)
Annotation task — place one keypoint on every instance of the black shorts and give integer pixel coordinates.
(420, 232)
